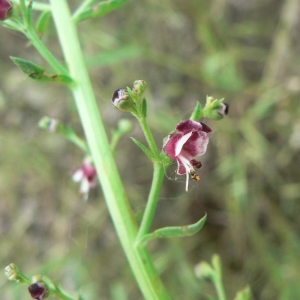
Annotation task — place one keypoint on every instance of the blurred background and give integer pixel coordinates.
(244, 51)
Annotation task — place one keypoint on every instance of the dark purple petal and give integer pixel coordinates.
(170, 145)
(195, 163)
(38, 291)
(196, 145)
(5, 9)
(205, 128)
(188, 126)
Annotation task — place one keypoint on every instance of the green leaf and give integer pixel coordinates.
(29, 68)
(174, 231)
(197, 112)
(38, 73)
(144, 108)
(43, 23)
(100, 9)
(244, 294)
(143, 148)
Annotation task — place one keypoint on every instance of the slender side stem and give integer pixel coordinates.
(120, 211)
(46, 54)
(149, 137)
(158, 176)
(84, 5)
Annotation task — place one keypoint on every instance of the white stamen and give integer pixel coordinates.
(188, 168)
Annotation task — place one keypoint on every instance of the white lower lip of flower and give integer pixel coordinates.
(188, 168)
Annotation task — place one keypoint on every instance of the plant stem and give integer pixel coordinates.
(158, 176)
(149, 137)
(120, 211)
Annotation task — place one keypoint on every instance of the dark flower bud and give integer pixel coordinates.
(5, 9)
(122, 101)
(38, 290)
(216, 109)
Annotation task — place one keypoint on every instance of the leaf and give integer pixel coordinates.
(175, 231)
(29, 68)
(197, 112)
(43, 23)
(100, 9)
(38, 73)
(143, 148)
(144, 108)
(244, 294)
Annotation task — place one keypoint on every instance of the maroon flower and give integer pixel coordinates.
(86, 175)
(5, 8)
(185, 145)
(38, 291)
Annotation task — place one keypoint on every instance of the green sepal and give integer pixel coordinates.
(174, 231)
(43, 22)
(244, 294)
(212, 106)
(29, 68)
(99, 10)
(143, 148)
(197, 112)
(144, 108)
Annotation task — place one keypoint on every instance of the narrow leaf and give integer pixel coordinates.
(144, 108)
(43, 22)
(100, 9)
(175, 231)
(29, 68)
(143, 148)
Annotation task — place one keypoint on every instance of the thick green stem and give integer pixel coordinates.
(139, 259)
(157, 181)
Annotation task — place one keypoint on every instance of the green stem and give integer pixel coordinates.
(220, 289)
(120, 211)
(149, 137)
(43, 50)
(158, 176)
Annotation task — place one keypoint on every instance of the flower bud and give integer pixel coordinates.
(215, 108)
(139, 87)
(122, 101)
(5, 9)
(38, 290)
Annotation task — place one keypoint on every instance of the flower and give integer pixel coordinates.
(5, 9)
(185, 145)
(38, 291)
(86, 175)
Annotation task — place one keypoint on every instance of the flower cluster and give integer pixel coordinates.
(185, 145)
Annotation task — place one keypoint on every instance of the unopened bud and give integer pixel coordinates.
(38, 290)
(48, 123)
(215, 108)
(122, 101)
(5, 9)
(139, 87)
(12, 272)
